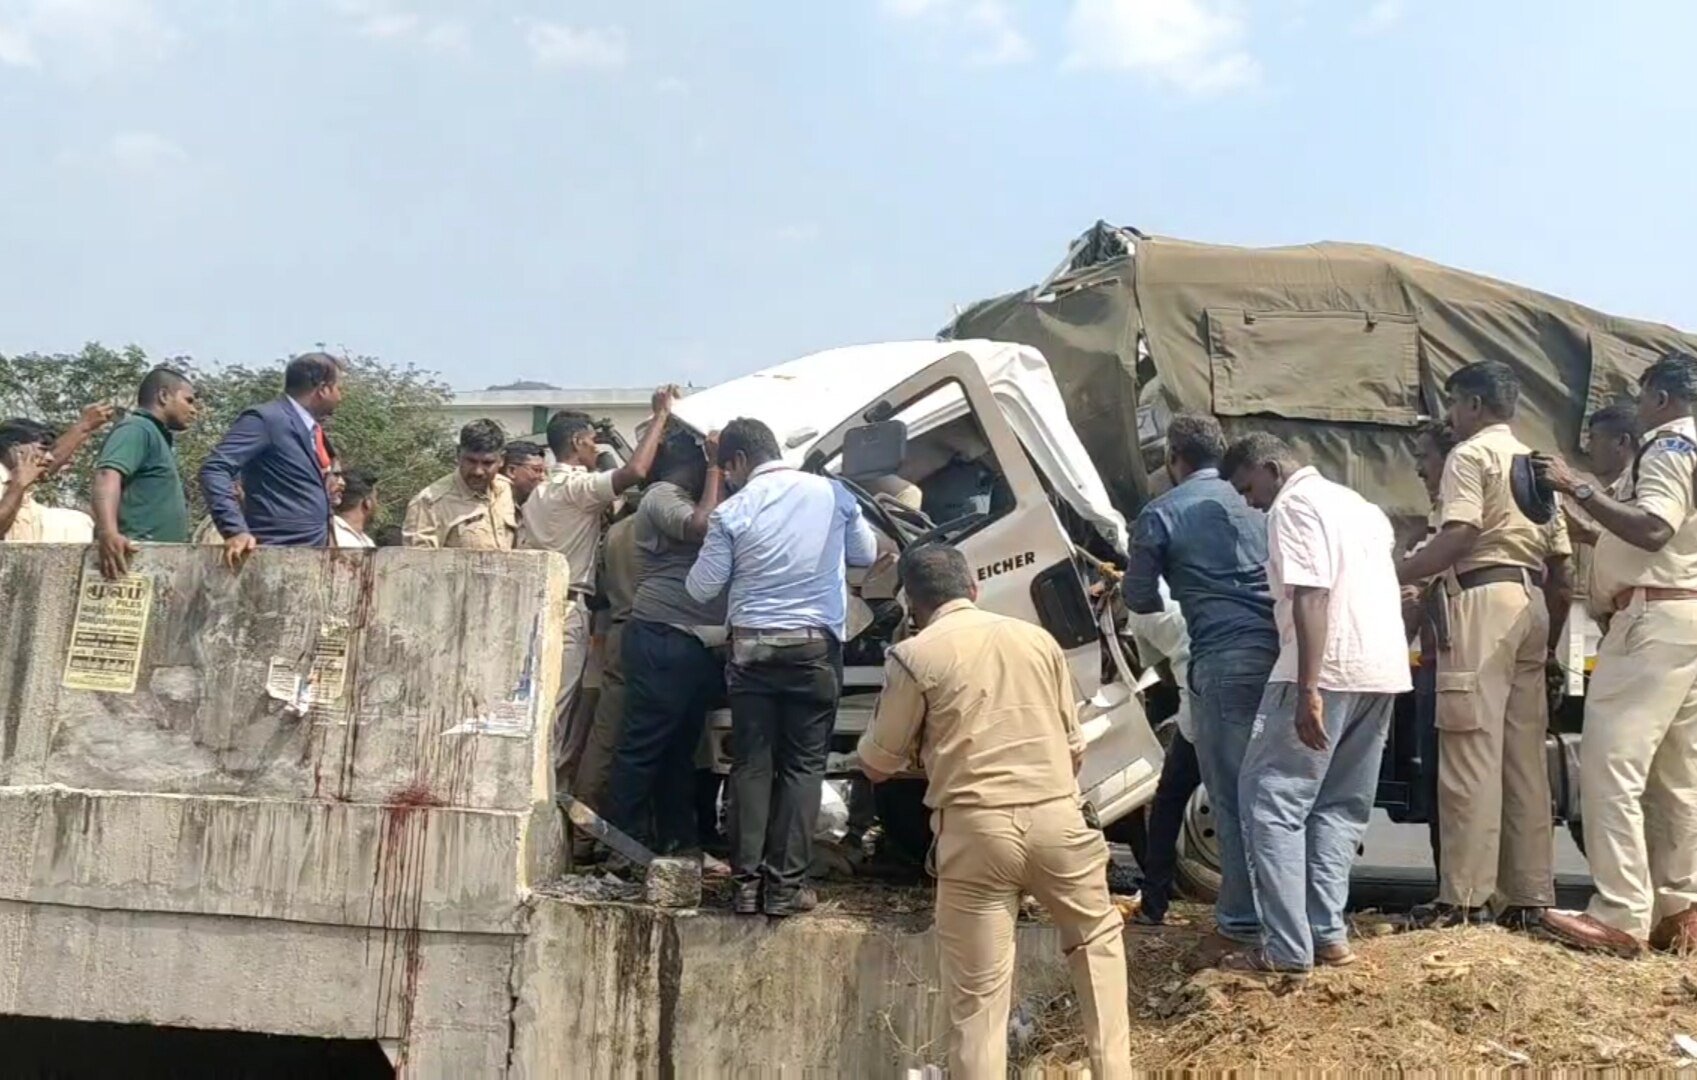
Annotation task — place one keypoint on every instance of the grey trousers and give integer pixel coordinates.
(1304, 814)
(571, 727)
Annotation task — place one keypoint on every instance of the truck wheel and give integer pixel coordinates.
(1198, 870)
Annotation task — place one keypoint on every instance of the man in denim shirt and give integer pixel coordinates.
(1211, 548)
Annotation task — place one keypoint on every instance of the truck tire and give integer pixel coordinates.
(1198, 869)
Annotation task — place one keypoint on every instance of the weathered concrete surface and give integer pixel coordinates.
(218, 849)
(609, 990)
(213, 851)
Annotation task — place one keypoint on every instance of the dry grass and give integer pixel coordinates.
(1430, 1001)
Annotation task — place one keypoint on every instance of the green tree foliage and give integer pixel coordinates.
(391, 420)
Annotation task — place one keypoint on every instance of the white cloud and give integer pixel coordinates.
(672, 86)
(84, 36)
(145, 153)
(380, 20)
(558, 45)
(1196, 46)
(803, 232)
(1380, 17)
(985, 26)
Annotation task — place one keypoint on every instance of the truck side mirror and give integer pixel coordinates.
(874, 449)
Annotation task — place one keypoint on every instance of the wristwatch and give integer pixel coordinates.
(1583, 492)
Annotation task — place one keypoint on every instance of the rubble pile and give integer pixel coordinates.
(1428, 1001)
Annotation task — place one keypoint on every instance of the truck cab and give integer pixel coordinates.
(965, 443)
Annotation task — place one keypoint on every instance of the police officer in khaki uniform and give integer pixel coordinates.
(471, 507)
(986, 704)
(1492, 703)
(1638, 757)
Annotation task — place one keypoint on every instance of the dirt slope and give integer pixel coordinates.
(1463, 999)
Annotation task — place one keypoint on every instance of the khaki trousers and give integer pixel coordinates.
(987, 857)
(1495, 833)
(596, 765)
(571, 728)
(1638, 766)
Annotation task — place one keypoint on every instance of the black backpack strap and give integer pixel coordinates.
(1671, 440)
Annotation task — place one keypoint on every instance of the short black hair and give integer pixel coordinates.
(751, 438)
(22, 431)
(157, 383)
(357, 486)
(1675, 375)
(933, 574)
(522, 450)
(482, 437)
(1256, 449)
(309, 371)
(1620, 419)
(564, 429)
(1491, 381)
(1440, 435)
(1196, 439)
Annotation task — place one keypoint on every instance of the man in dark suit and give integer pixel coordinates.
(279, 453)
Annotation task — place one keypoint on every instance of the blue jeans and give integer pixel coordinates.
(1226, 691)
(1305, 812)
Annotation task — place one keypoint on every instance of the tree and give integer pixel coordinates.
(391, 420)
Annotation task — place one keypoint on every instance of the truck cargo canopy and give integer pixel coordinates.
(1341, 349)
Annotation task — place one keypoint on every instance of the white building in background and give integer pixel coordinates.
(523, 408)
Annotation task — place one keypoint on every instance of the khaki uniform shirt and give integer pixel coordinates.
(1664, 488)
(985, 702)
(618, 568)
(1475, 491)
(448, 514)
(564, 514)
(27, 526)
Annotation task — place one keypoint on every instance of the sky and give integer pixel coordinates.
(619, 194)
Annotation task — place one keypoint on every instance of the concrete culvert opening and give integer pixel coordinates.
(37, 1048)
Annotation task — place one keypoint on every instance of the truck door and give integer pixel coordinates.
(982, 494)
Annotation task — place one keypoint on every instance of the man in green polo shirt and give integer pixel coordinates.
(138, 493)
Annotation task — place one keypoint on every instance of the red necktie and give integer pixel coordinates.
(323, 450)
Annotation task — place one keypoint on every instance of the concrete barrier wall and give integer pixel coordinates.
(609, 991)
(319, 811)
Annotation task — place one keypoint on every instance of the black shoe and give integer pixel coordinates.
(802, 900)
(1523, 920)
(1442, 916)
(746, 901)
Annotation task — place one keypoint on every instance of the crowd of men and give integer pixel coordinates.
(679, 601)
(1284, 581)
(707, 569)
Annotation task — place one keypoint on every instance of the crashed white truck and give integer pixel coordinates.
(985, 459)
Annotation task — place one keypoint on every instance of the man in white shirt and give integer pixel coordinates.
(355, 510)
(567, 513)
(1312, 766)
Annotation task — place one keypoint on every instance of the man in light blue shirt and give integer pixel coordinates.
(781, 544)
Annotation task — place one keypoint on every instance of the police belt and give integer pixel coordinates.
(1652, 594)
(1498, 575)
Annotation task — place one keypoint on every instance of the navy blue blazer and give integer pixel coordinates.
(287, 504)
